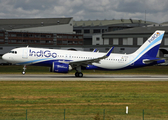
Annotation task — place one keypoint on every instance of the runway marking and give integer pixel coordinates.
(30, 77)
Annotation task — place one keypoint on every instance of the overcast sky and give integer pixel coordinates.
(156, 10)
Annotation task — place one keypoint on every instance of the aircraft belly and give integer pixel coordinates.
(110, 66)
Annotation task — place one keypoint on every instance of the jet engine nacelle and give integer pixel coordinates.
(60, 67)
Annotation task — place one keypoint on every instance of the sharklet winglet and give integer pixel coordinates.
(109, 52)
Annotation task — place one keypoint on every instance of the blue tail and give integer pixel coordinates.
(146, 54)
(151, 46)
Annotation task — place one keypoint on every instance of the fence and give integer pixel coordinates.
(83, 114)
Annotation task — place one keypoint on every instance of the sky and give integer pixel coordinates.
(156, 10)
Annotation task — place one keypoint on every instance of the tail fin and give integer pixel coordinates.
(151, 46)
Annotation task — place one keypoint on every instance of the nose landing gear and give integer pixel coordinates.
(24, 70)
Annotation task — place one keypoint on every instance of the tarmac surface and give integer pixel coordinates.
(69, 77)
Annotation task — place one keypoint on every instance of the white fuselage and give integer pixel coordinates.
(29, 55)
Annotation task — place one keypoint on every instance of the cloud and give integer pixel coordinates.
(156, 10)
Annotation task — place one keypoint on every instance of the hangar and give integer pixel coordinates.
(37, 32)
(93, 28)
(42, 25)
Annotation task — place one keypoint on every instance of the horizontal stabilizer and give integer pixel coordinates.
(149, 61)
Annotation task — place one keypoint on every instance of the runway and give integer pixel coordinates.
(69, 77)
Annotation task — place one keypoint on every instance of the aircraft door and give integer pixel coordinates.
(25, 53)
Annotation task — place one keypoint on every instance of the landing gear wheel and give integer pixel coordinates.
(23, 72)
(78, 74)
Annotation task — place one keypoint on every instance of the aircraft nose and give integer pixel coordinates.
(4, 57)
(8, 58)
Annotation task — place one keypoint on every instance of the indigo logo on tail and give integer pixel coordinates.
(153, 37)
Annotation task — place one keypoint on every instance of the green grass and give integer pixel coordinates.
(79, 97)
(86, 100)
(162, 70)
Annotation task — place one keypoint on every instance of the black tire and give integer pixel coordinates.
(80, 74)
(76, 74)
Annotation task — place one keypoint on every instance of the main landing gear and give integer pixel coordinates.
(78, 72)
(24, 70)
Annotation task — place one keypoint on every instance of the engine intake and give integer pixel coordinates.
(60, 67)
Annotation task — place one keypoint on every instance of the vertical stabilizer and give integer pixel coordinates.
(151, 46)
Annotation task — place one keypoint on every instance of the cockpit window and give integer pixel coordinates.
(14, 52)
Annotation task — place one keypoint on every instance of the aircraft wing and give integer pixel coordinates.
(90, 61)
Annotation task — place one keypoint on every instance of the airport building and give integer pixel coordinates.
(38, 32)
(42, 25)
(91, 29)
(37, 39)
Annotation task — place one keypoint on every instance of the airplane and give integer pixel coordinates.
(62, 61)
